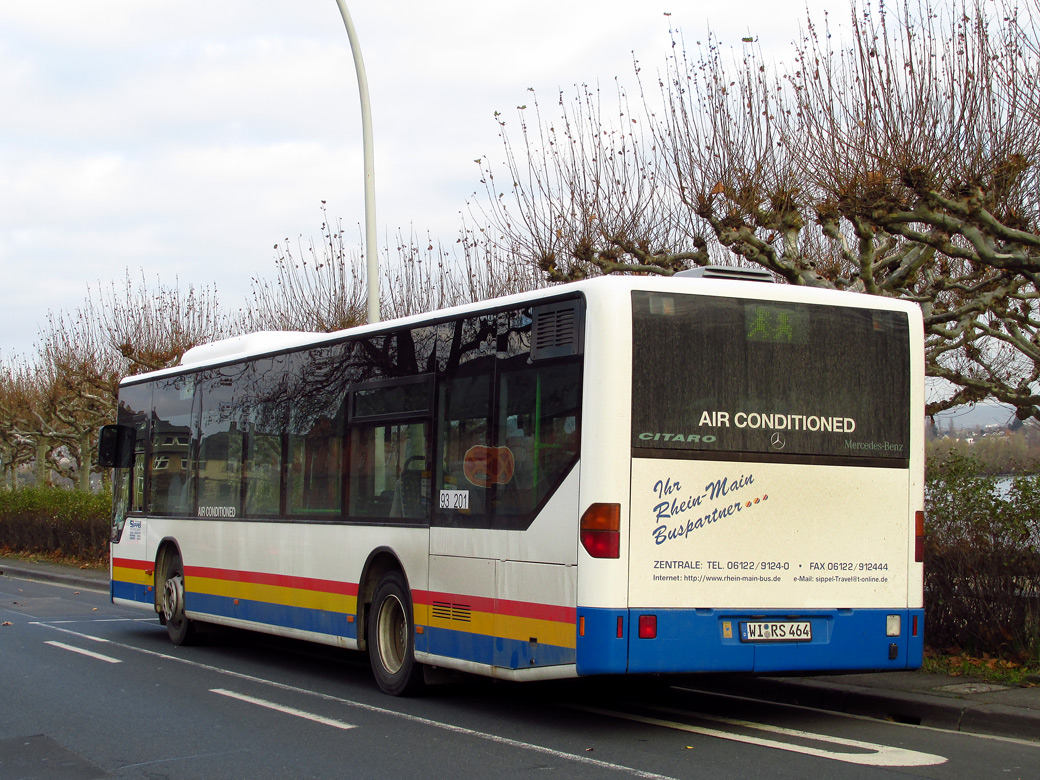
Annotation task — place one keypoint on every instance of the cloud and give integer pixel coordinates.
(187, 138)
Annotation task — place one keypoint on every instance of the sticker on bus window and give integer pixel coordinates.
(454, 499)
(485, 466)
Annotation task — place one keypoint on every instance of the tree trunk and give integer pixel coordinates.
(43, 471)
(86, 462)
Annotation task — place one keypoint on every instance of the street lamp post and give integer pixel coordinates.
(371, 252)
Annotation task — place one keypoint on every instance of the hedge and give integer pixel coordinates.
(982, 560)
(55, 521)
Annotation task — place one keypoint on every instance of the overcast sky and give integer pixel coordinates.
(186, 138)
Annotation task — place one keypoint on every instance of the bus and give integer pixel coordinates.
(624, 475)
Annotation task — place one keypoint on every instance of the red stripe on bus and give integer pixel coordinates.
(130, 563)
(521, 609)
(280, 580)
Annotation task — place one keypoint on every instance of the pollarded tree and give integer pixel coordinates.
(324, 289)
(17, 399)
(902, 162)
(150, 328)
(79, 375)
(314, 291)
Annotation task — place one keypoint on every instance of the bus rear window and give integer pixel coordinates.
(732, 376)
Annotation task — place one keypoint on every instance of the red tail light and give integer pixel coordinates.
(919, 537)
(648, 626)
(601, 530)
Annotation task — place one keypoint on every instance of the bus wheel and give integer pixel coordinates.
(180, 628)
(391, 638)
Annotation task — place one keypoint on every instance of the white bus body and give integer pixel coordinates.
(624, 475)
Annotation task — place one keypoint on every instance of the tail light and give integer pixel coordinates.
(648, 626)
(601, 530)
(919, 536)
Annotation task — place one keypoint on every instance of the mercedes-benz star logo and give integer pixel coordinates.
(777, 440)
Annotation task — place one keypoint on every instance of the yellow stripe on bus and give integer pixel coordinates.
(273, 594)
(504, 626)
(132, 576)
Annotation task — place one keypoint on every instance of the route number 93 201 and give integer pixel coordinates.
(454, 499)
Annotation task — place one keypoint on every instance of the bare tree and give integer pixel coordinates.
(325, 289)
(902, 162)
(424, 277)
(313, 292)
(18, 398)
(151, 327)
(79, 377)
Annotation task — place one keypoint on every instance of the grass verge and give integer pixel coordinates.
(1020, 672)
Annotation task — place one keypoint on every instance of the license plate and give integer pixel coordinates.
(776, 631)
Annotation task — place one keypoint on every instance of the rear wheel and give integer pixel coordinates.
(391, 638)
(179, 627)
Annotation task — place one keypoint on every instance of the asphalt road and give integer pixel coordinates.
(90, 690)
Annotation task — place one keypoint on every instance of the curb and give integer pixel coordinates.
(73, 580)
(918, 709)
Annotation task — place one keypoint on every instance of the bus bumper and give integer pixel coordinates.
(718, 640)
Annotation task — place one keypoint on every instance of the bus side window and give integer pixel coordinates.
(135, 407)
(169, 475)
(538, 427)
(466, 463)
(315, 470)
(220, 464)
(389, 475)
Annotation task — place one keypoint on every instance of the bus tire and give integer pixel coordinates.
(391, 638)
(179, 627)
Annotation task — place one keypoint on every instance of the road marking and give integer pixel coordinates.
(282, 708)
(88, 653)
(498, 740)
(874, 755)
(866, 718)
(92, 621)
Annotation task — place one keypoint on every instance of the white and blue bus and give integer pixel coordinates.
(626, 475)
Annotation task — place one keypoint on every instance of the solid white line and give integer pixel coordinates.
(393, 713)
(81, 651)
(281, 708)
(877, 755)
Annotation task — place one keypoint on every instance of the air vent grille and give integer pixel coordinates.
(556, 330)
(728, 272)
(445, 610)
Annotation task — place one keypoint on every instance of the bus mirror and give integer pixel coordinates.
(116, 446)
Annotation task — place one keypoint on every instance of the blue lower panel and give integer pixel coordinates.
(706, 640)
(132, 592)
(495, 650)
(298, 618)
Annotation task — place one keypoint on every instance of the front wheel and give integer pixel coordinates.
(391, 638)
(179, 627)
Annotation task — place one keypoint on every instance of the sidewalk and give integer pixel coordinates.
(88, 579)
(951, 703)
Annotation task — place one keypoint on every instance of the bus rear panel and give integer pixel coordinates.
(775, 490)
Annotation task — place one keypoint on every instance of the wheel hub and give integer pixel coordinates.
(173, 597)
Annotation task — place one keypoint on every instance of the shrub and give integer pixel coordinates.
(982, 559)
(48, 521)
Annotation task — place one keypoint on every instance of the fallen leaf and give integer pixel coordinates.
(7, 623)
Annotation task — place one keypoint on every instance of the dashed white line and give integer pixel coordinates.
(87, 653)
(282, 708)
(494, 738)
